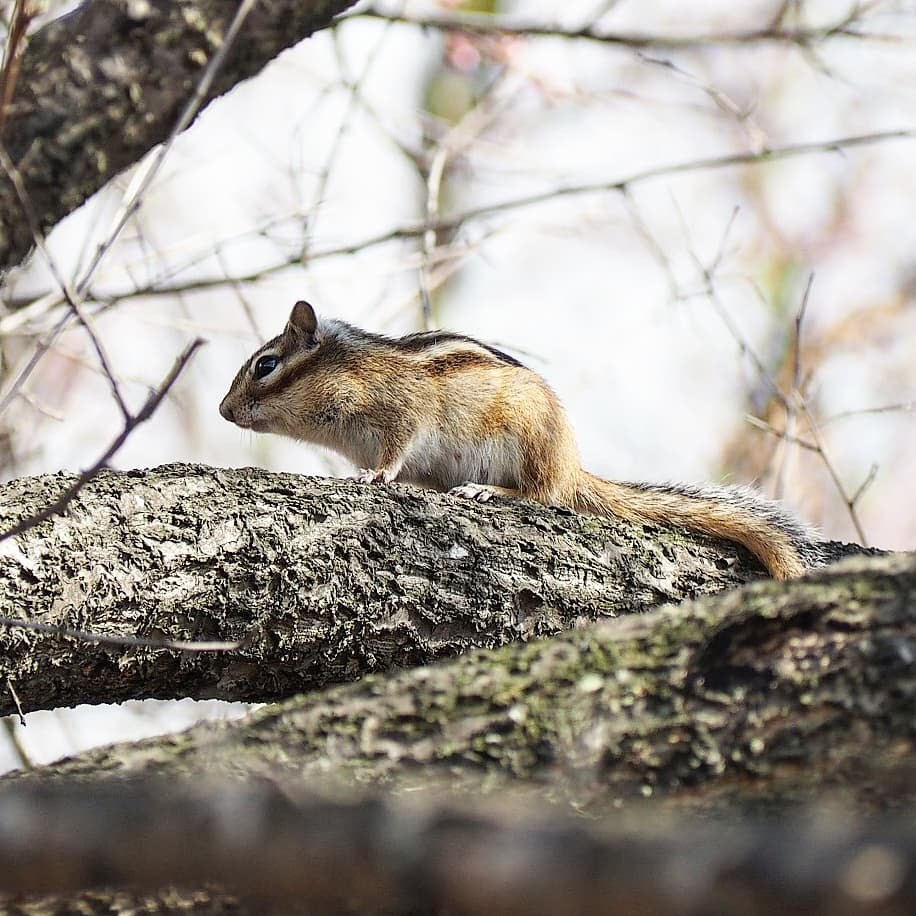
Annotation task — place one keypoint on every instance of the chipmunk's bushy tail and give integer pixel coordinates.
(784, 546)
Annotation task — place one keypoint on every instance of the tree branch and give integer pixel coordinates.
(319, 580)
(131, 422)
(385, 857)
(454, 222)
(101, 86)
(487, 24)
(758, 699)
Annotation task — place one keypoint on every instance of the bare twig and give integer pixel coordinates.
(71, 296)
(131, 423)
(762, 424)
(23, 760)
(413, 231)
(148, 173)
(902, 407)
(460, 136)
(105, 639)
(744, 345)
(15, 696)
(794, 403)
(768, 154)
(719, 257)
(354, 89)
(655, 247)
(866, 483)
(796, 344)
(786, 435)
(487, 24)
(796, 393)
(797, 401)
(741, 115)
(849, 501)
(134, 197)
(23, 13)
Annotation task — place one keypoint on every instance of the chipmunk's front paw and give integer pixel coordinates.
(479, 491)
(373, 475)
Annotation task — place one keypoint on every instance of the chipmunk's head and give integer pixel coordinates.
(263, 395)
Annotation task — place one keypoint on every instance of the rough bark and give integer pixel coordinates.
(760, 698)
(103, 85)
(367, 856)
(322, 580)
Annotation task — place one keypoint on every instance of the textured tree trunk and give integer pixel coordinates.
(321, 580)
(103, 85)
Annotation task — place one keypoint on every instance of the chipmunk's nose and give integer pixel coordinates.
(226, 411)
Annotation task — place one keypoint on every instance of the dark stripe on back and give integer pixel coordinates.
(423, 340)
(460, 359)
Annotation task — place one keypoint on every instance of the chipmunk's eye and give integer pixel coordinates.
(265, 365)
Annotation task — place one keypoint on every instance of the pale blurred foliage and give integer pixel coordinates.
(640, 309)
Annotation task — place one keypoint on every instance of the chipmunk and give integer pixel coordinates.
(448, 412)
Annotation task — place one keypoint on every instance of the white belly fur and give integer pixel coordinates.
(433, 461)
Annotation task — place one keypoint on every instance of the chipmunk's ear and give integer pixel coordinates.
(303, 322)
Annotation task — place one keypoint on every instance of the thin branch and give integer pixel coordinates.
(723, 102)
(71, 296)
(413, 231)
(455, 141)
(354, 89)
(104, 639)
(902, 407)
(795, 402)
(23, 760)
(716, 262)
(655, 247)
(23, 13)
(791, 403)
(761, 424)
(849, 501)
(131, 423)
(147, 174)
(486, 24)
(798, 401)
(11, 688)
(796, 345)
(141, 182)
(866, 483)
(744, 345)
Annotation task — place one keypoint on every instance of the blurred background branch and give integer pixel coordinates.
(279, 852)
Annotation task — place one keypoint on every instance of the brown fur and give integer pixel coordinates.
(720, 513)
(445, 411)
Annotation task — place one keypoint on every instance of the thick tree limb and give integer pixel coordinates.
(101, 86)
(321, 580)
(371, 856)
(755, 699)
